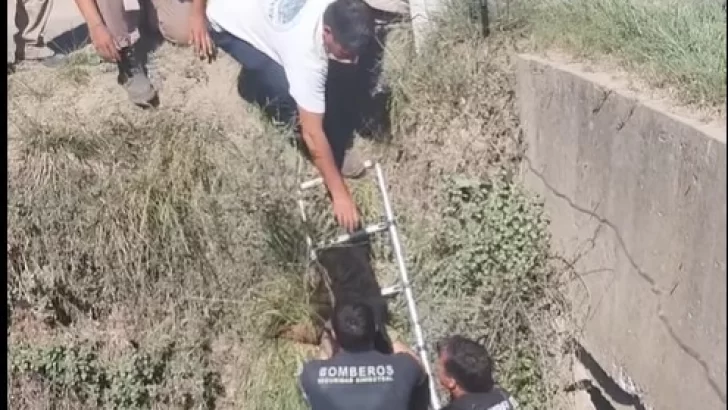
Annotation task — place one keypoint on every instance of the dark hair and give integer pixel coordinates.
(354, 326)
(351, 24)
(468, 363)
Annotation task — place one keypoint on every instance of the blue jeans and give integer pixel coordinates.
(263, 82)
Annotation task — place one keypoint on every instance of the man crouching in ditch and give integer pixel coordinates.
(356, 376)
(465, 371)
(114, 28)
(284, 48)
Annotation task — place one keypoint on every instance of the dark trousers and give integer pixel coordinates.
(263, 82)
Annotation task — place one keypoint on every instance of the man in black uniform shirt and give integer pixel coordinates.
(358, 377)
(465, 370)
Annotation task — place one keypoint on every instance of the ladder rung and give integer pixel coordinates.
(311, 183)
(360, 234)
(391, 290)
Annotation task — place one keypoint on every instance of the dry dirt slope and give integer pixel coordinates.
(81, 101)
(88, 89)
(83, 98)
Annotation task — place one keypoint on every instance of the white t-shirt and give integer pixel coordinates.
(288, 31)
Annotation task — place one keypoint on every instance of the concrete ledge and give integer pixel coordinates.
(637, 198)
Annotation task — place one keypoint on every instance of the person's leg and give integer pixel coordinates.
(374, 114)
(31, 19)
(171, 18)
(343, 102)
(262, 81)
(12, 6)
(121, 18)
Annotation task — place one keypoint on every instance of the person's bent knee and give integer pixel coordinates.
(173, 19)
(260, 88)
(178, 35)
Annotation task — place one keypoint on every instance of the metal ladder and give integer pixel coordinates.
(389, 224)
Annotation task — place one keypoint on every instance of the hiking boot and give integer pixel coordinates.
(134, 80)
(39, 53)
(353, 166)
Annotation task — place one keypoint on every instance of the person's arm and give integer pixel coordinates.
(420, 395)
(399, 347)
(90, 13)
(100, 36)
(198, 6)
(312, 131)
(199, 36)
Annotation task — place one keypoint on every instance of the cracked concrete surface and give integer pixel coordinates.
(645, 189)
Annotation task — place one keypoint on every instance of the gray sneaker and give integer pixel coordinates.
(34, 53)
(353, 166)
(134, 80)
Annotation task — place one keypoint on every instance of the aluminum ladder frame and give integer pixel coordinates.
(389, 224)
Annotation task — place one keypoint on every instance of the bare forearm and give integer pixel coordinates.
(198, 6)
(323, 159)
(90, 13)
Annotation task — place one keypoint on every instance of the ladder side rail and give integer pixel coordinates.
(302, 209)
(411, 305)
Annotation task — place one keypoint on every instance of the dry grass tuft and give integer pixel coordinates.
(155, 214)
(673, 45)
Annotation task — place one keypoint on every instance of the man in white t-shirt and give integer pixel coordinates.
(284, 47)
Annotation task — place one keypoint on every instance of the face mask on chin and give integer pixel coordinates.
(331, 56)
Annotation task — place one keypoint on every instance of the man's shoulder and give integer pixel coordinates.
(406, 360)
(402, 358)
(409, 368)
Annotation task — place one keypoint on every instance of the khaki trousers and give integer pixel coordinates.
(123, 19)
(29, 18)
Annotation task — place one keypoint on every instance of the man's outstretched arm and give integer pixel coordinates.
(318, 146)
(100, 36)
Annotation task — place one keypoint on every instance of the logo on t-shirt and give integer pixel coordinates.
(282, 13)
(504, 405)
(356, 374)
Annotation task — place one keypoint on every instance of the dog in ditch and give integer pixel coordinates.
(344, 273)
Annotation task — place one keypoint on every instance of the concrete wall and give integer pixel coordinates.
(638, 197)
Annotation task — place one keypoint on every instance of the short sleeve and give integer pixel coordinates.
(415, 372)
(307, 82)
(416, 382)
